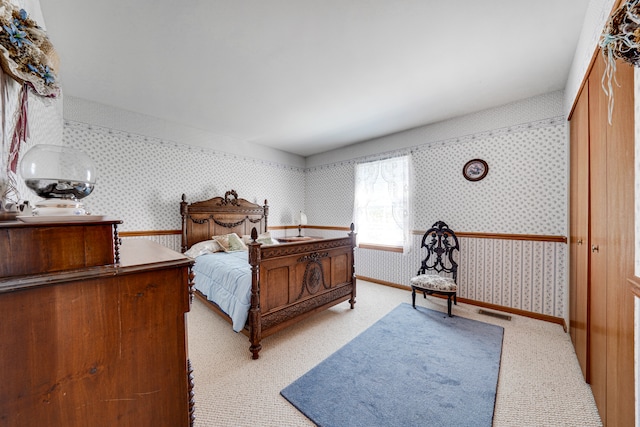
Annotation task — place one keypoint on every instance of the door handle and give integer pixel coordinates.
(579, 242)
(595, 248)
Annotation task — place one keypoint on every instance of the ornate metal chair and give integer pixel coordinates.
(440, 243)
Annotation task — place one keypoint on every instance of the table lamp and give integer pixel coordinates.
(302, 220)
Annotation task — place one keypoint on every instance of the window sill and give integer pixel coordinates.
(375, 247)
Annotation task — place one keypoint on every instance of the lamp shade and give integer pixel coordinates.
(302, 218)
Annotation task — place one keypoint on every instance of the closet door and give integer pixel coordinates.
(579, 231)
(597, 238)
(619, 249)
(611, 256)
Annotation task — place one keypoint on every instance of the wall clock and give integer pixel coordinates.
(475, 170)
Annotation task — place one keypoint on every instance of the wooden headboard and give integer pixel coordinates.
(220, 215)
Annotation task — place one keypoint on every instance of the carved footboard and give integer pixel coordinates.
(292, 281)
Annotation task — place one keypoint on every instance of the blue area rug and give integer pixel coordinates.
(414, 367)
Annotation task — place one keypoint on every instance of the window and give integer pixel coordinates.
(382, 202)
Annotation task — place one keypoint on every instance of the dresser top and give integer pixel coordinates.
(60, 222)
(138, 255)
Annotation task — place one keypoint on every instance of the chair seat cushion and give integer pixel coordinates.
(433, 282)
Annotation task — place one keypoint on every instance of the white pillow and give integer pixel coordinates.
(202, 248)
(264, 238)
(230, 242)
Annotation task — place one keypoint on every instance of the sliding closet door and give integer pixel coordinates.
(610, 302)
(619, 252)
(598, 235)
(579, 230)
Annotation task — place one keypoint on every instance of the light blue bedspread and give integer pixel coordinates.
(225, 278)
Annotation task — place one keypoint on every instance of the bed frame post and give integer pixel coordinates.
(255, 331)
(184, 211)
(352, 234)
(266, 215)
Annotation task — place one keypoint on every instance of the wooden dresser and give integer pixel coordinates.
(92, 332)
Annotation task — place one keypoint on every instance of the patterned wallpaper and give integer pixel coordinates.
(141, 179)
(45, 127)
(530, 112)
(154, 129)
(329, 194)
(525, 191)
(525, 275)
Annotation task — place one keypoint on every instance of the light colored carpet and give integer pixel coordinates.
(540, 382)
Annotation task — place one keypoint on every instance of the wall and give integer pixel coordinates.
(44, 114)
(524, 192)
(142, 174)
(102, 116)
(525, 144)
(45, 127)
(595, 19)
(142, 171)
(482, 122)
(145, 164)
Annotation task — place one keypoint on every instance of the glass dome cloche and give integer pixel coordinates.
(61, 175)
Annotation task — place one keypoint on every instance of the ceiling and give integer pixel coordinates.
(308, 76)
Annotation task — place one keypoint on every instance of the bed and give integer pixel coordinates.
(286, 282)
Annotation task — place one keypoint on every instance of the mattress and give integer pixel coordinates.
(225, 279)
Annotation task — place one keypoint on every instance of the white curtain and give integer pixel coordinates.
(382, 204)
